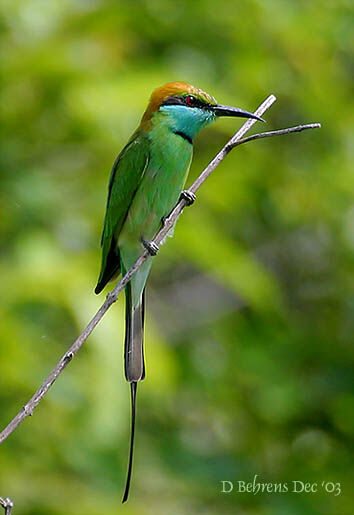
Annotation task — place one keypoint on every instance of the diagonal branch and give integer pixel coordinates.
(169, 222)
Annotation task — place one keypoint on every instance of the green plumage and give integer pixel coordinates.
(127, 171)
(146, 181)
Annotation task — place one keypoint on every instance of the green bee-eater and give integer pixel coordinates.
(146, 181)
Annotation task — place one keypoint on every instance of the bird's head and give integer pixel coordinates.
(187, 109)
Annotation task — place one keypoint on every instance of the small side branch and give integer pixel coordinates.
(169, 222)
(280, 132)
(7, 504)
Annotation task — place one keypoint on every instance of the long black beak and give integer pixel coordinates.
(220, 110)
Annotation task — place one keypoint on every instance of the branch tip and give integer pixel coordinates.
(7, 504)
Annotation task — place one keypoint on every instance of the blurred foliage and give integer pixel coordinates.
(250, 306)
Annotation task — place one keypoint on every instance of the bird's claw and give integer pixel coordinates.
(188, 196)
(151, 247)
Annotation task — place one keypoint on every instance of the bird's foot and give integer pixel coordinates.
(188, 196)
(151, 247)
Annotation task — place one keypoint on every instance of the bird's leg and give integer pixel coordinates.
(188, 196)
(151, 247)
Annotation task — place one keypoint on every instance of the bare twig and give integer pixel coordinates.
(290, 130)
(7, 504)
(169, 222)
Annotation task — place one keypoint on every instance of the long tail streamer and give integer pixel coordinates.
(133, 387)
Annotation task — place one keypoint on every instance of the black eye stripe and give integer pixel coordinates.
(171, 101)
(193, 102)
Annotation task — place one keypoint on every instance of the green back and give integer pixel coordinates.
(127, 172)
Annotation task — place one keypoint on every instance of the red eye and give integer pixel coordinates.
(190, 100)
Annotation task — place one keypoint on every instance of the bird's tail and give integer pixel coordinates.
(134, 337)
(134, 363)
(133, 387)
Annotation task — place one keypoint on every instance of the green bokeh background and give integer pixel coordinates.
(250, 315)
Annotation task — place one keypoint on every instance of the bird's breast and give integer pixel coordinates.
(160, 187)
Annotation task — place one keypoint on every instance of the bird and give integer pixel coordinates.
(146, 181)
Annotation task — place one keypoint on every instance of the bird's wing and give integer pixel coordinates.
(127, 172)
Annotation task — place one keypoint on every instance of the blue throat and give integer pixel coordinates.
(187, 121)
